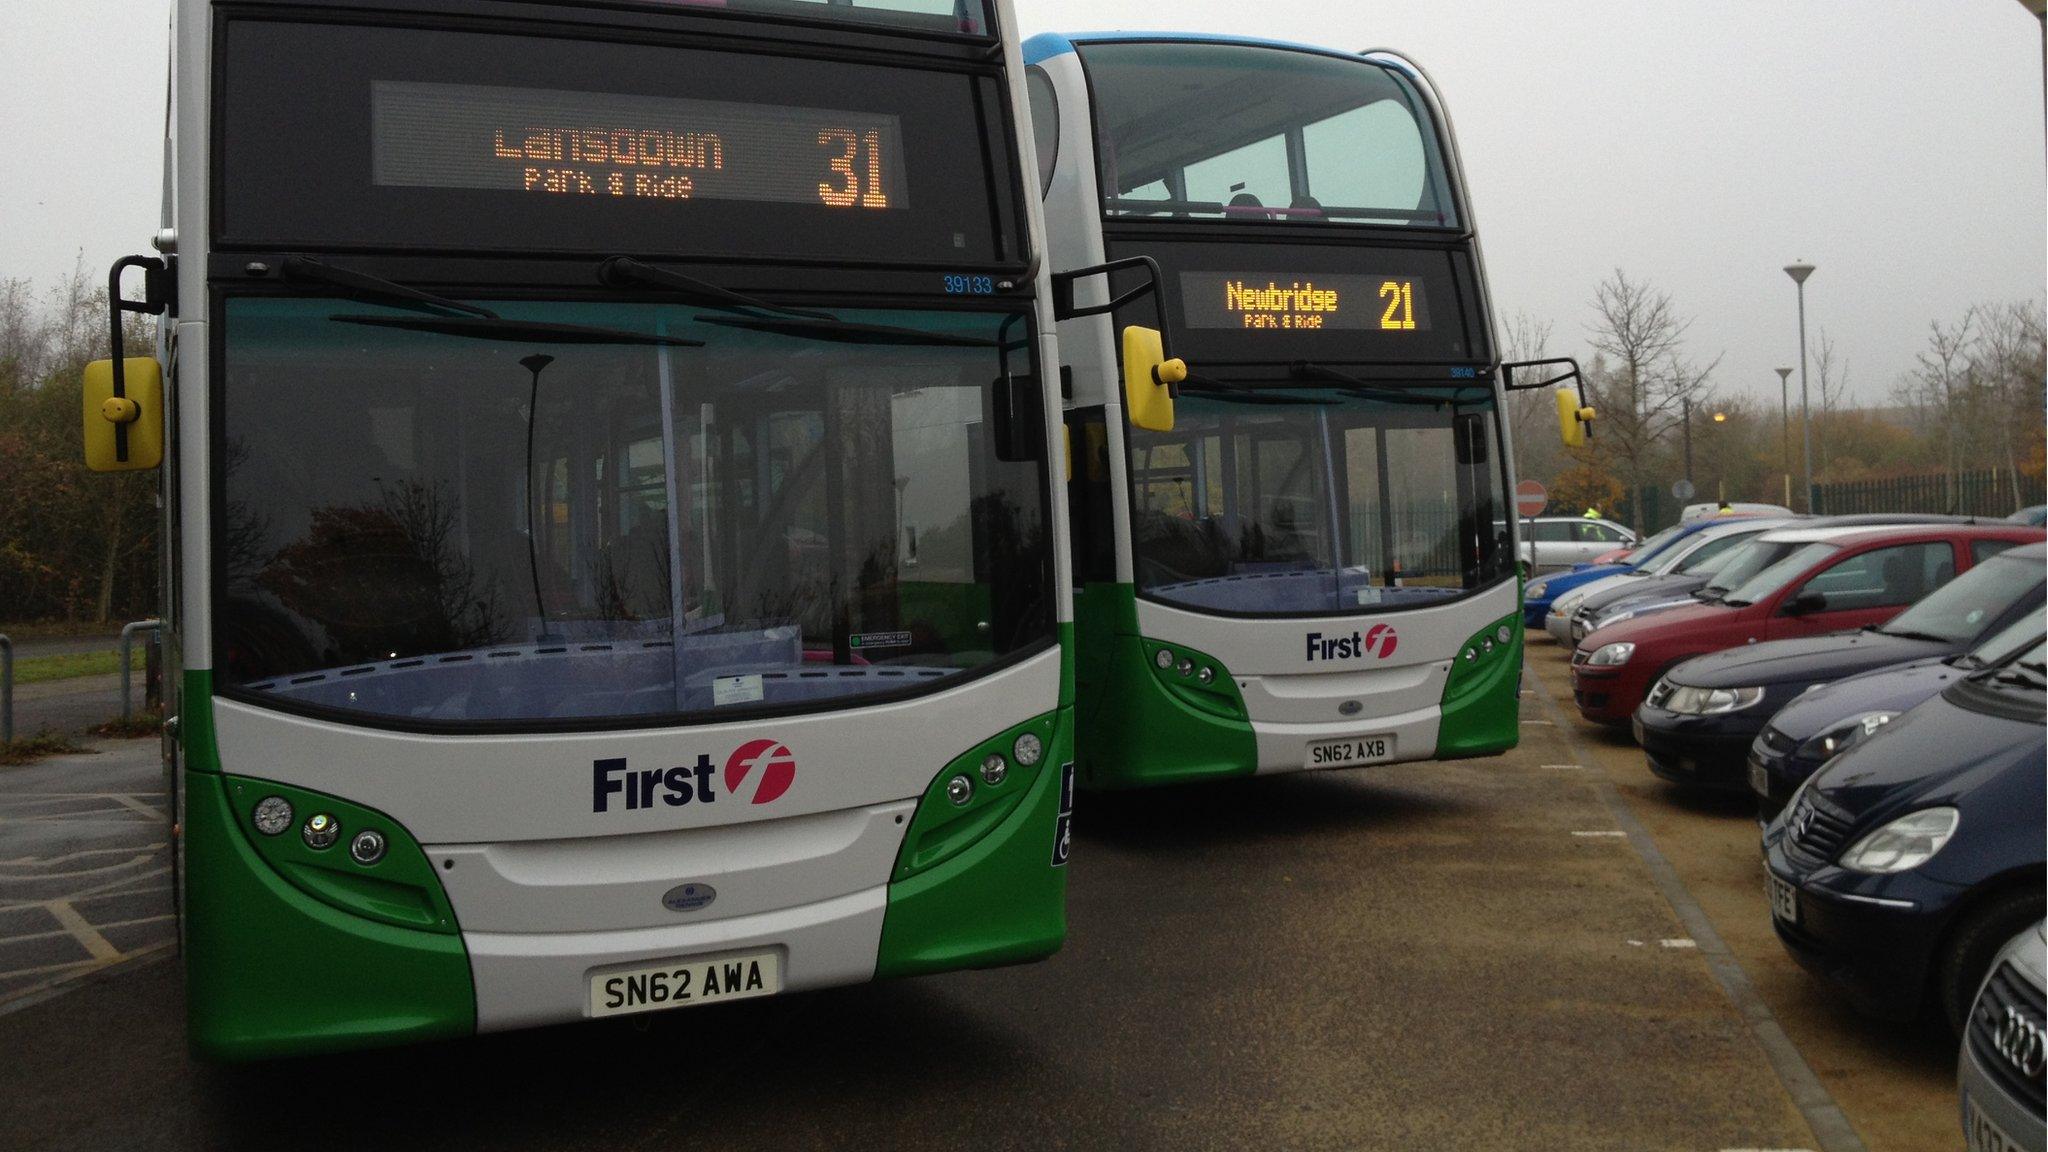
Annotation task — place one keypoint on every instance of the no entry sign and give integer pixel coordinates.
(1531, 498)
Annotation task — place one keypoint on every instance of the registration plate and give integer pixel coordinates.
(685, 983)
(1984, 1134)
(1784, 899)
(1635, 725)
(1347, 753)
(1759, 778)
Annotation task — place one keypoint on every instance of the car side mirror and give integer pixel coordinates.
(1807, 602)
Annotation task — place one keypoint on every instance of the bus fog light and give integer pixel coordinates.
(1206, 676)
(273, 815)
(993, 769)
(1164, 659)
(959, 790)
(367, 847)
(1029, 749)
(321, 831)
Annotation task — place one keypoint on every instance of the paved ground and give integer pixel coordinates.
(69, 706)
(84, 870)
(1498, 954)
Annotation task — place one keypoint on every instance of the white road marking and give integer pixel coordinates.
(128, 801)
(1564, 767)
(1537, 723)
(82, 930)
(64, 932)
(1681, 942)
(1601, 835)
(139, 858)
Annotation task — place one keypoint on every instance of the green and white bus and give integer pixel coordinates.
(614, 562)
(1293, 560)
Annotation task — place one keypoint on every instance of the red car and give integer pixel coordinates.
(1835, 580)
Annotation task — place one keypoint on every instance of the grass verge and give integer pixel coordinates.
(70, 665)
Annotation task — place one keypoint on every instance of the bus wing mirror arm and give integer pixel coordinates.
(1064, 307)
(108, 384)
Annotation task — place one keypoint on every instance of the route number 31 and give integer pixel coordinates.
(860, 154)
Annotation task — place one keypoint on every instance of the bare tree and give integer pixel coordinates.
(1532, 415)
(1833, 370)
(1651, 383)
(1939, 393)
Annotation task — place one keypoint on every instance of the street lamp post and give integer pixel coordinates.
(1799, 272)
(1685, 406)
(1720, 472)
(1785, 430)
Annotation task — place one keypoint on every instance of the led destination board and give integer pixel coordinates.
(575, 145)
(1264, 302)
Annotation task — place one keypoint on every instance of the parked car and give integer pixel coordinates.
(1900, 869)
(1833, 717)
(1715, 578)
(1738, 508)
(1681, 568)
(1998, 1073)
(1552, 542)
(1698, 722)
(1828, 585)
(2034, 517)
(1540, 592)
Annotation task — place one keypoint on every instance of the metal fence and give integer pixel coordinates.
(1987, 493)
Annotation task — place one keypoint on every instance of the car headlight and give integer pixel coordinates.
(1839, 738)
(1612, 654)
(1710, 701)
(1903, 844)
(1566, 604)
(1537, 589)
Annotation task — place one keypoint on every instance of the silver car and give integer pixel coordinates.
(2000, 1070)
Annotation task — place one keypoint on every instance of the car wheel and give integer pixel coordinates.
(1966, 958)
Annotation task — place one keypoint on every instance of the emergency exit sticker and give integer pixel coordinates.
(861, 640)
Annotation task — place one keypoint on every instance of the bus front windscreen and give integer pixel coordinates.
(1284, 501)
(590, 512)
(1284, 135)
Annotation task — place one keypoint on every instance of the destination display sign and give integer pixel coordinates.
(1311, 302)
(588, 146)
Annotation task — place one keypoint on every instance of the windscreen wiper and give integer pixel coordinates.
(518, 331)
(301, 270)
(626, 272)
(1909, 634)
(837, 331)
(1210, 388)
(1363, 389)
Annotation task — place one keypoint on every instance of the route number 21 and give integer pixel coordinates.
(1400, 298)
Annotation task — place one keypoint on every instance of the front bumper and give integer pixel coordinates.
(1878, 954)
(1605, 694)
(1774, 774)
(1982, 1096)
(1702, 751)
(1559, 626)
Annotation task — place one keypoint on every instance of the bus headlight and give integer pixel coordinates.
(1612, 655)
(1029, 749)
(273, 815)
(993, 769)
(321, 831)
(1904, 844)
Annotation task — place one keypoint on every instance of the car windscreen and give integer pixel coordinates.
(1959, 611)
(1774, 579)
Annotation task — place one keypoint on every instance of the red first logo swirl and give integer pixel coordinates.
(1381, 640)
(770, 764)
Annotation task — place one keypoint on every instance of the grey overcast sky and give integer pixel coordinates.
(1896, 144)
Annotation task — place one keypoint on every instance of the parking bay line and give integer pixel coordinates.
(81, 929)
(1829, 1123)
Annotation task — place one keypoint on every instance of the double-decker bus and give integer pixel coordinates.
(613, 559)
(1300, 557)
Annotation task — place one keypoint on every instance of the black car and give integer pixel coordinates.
(1833, 717)
(1698, 723)
(1899, 869)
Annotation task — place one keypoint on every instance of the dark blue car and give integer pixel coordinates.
(1900, 869)
(1831, 719)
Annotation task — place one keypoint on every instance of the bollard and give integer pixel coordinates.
(128, 632)
(6, 689)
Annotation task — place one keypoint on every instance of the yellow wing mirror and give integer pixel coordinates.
(1150, 376)
(1574, 419)
(124, 395)
(124, 415)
